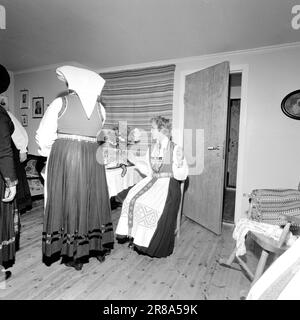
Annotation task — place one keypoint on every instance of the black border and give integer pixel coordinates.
(283, 106)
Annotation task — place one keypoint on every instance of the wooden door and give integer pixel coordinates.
(205, 123)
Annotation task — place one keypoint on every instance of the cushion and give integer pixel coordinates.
(269, 205)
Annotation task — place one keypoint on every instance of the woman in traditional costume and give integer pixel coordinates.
(149, 211)
(8, 183)
(77, 221)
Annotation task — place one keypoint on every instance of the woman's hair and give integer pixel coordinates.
(163, 124)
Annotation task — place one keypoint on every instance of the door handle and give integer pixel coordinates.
(217, 148)
(214, 148)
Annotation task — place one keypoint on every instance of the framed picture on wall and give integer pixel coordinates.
(37, 107)
(24, 120)
(24, 99)
(290, 105)
(4, 102)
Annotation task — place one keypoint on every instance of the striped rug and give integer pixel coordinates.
(137, 95)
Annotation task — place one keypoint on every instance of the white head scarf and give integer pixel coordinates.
(86, 83)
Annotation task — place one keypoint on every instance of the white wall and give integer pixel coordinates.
(43, 83)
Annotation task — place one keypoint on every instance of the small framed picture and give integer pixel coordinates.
(24, 99)
(24, 120)
(37, 107)
(4, 102)
(290, 105)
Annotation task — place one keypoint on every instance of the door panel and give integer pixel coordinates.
(205, 121)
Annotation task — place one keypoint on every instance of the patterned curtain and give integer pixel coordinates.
(137, 95)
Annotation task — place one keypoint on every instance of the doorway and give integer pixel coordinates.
(232, 139)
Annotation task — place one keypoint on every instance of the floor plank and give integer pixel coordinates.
(191, 272)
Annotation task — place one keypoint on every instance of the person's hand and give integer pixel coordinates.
(124, 170)
(23, 156)
(130, 156)
(10, 193)
(179, 157)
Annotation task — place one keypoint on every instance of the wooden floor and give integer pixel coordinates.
(191, 272)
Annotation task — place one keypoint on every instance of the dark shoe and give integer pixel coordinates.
(123, 240)
(7, 274)
(101, 258)
(131, 245)
(76, 265)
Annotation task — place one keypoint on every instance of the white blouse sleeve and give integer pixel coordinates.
(46, 134)
(103, 113)
(179, 172)
(20, 137)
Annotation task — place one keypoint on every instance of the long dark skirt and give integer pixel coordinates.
(162, 242)
(24, 200)
(77, 221)
(8, 230)
(23, 196)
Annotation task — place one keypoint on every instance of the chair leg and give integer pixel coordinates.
(260, 266)
(244, 266)
(229, 261)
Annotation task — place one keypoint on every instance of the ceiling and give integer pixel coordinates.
(110, 33)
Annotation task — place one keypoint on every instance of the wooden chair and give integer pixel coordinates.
(179, 213)
(272, 206)
(268, 245)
